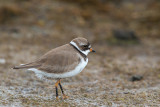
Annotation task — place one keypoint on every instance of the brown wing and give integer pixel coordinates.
(58, 60)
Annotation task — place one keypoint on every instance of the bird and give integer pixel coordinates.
(64, 61)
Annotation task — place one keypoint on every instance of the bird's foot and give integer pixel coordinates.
(65, 96)
(57, 98)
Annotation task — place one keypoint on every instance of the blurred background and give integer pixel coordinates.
(124, 70)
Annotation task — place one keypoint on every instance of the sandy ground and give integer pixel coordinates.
(104, 82)
(106, 79)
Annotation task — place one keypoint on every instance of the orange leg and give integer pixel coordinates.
(64, 96)
(56, 86)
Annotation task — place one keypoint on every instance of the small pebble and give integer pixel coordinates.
(2, 61)
(136, 78)
(125, 35)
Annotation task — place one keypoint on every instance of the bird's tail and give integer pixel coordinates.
(29, 65)
(21, 67)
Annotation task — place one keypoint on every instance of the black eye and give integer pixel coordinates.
(85, 46)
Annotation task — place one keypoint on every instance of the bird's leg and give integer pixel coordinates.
(64, 96)
(56, 86)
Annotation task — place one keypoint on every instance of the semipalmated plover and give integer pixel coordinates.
(64, 61)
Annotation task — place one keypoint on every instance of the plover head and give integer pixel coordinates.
(82, 45)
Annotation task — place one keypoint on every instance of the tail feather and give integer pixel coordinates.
(16, 67)
(21, 67)
(29, 65)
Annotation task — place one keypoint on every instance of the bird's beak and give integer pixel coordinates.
(92, 50)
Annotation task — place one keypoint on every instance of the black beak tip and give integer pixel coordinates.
(93, 51)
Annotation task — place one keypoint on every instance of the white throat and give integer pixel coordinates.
(75, 45)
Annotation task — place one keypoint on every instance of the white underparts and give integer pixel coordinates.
(84, 52)
(71, 73)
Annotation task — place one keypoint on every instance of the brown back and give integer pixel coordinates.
(59, 60)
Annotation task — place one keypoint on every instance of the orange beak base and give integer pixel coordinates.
(91, 50)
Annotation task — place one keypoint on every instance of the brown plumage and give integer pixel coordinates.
(58, 60)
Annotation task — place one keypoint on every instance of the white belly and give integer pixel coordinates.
(71, 73)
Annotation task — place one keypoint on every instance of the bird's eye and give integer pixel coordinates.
(85, 46)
